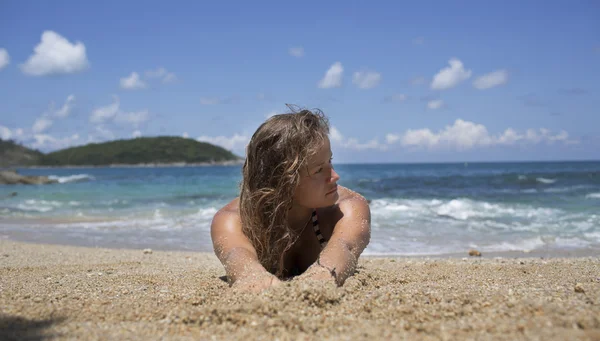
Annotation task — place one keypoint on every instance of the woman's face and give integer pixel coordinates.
(318, 180)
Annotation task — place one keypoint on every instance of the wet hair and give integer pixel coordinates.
(276, 158)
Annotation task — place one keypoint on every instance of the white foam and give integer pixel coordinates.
(545, 181)
(71, 178)
(522, 245)
(392, 210)
(593, 196)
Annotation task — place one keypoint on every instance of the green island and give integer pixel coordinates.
(161, 150)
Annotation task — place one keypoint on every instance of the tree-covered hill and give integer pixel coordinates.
(12, 154)
(142, 150)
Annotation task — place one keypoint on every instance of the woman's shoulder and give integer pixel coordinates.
(349, 204)
(349, 199)
(228, 215)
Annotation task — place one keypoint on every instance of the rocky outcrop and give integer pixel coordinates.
(12, 178)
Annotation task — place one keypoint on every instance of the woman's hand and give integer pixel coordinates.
(256, 284)
(319, 273)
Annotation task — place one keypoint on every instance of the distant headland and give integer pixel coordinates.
(161, 151)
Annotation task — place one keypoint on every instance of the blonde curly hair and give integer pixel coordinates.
(275, 157)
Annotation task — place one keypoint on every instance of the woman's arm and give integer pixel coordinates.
(350, 237)
(237, 254)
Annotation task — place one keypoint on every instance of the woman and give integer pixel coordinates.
(291, 217)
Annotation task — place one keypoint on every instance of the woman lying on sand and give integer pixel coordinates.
(291, 218)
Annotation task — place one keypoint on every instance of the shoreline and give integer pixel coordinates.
(138, 165)
(68, 292)
(551, 253)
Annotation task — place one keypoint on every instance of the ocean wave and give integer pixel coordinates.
(545, 180)
(72, 178)
(458, 209)
(593, 196)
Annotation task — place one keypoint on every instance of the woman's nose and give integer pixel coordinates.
(334, 176)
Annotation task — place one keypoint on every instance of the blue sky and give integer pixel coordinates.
(420, 82)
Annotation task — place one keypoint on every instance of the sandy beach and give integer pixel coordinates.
(67, 292)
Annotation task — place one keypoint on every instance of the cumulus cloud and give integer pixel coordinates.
(4, 58)
(41, 124)
(236, 142)
(463, 135)
(162, 74)
(132, 82)
(435, 104)
(297, 52)
(56, 55)
(450, 76)
(366, 79)
(333, 77)
(185, 135)
(65, 110)
(136, 134)
(102, 114)
(340, 140)
(391, 138)
(102, 133)
(48, 142)
(5, 133)
(491, 80)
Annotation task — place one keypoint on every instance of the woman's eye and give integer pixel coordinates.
(319, 170)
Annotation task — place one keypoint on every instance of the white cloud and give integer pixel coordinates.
(65, 110)
(48, 142)
(391, 138)
(366, 79)
(297, 52)
(136, 134)
(5, 133)
(435, 104)
(56, 55)
(333, 77)
(335, 135)
(103, 133)
(41, 124)
(185, 135)
(133, 118)
(105, 113)
(132, 82)
(464, 135)
(352, 143)
(451, 76)
(163, 74)
(4, 58)
(236, 142)
(491, 80)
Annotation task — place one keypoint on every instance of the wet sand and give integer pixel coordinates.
(66, 292)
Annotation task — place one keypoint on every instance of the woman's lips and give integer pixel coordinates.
(332, 191)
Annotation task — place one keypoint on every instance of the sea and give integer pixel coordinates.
(417, 209)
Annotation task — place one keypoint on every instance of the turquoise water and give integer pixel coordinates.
(417, 209)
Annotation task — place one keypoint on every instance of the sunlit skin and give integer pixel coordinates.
(344, 219)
